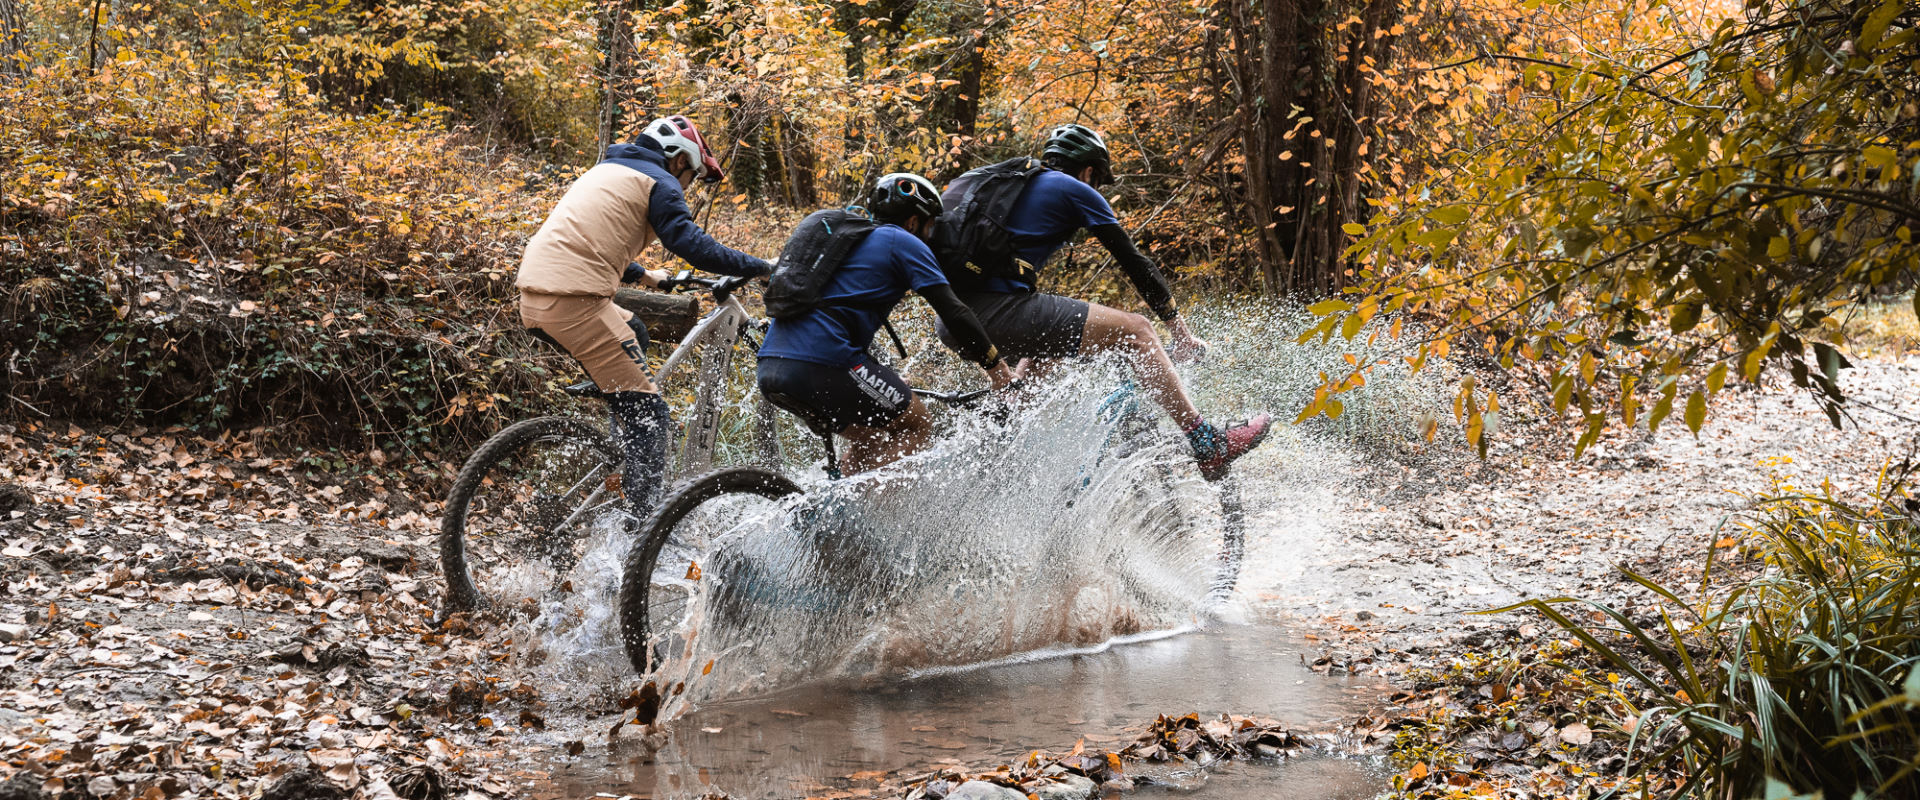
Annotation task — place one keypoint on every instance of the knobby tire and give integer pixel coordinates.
(682, 500)
(462, 593)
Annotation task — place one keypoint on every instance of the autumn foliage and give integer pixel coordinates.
(1677, 203)
(309, 210)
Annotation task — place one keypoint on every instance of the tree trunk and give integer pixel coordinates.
(1304, 98)
(616, 68)
(957, 107)
(12, 35)
(890, 18)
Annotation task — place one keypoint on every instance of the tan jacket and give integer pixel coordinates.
(597, 228)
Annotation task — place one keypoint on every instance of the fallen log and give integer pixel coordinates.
(668, 316)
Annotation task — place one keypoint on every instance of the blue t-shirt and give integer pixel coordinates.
(856, 301)
(1052, 208)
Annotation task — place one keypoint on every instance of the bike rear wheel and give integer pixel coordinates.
(520, 512)
(660, 588)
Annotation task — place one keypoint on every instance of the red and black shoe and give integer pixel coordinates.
(1216, 449)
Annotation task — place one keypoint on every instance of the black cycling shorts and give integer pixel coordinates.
(1027, 324)
(827, 398)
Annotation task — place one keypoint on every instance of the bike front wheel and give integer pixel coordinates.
(661, 591)
(521, 511)
(1206, 520)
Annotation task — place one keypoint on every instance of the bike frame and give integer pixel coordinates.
(706, 353)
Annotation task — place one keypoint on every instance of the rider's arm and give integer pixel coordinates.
(673, 224)
(1139, 268)
(966, 329)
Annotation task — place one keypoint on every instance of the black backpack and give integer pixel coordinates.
(818, 246)
(970, 238)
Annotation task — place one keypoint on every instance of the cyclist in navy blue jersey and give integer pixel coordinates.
(817, 366)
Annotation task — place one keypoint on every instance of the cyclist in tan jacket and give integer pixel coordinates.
(587, 248)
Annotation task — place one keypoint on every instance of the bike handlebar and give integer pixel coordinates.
(953, 398)
(961, 399)
(720, 287)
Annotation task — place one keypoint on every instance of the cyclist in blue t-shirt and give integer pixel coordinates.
(817, 365)
(1056, 204)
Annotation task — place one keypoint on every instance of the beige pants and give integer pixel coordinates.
(594, 331)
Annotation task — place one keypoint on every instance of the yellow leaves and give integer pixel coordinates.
(1880, 157)
(1696, 412)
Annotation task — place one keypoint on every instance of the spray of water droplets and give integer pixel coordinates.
(1054, 527)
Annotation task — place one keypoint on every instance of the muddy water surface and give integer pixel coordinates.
(817, 740)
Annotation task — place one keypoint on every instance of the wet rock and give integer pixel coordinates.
(14, 497)
(23, 786)
(10, 632)
(303, 784)
(321, 656)
(982, 790)
(419, 782)
(384, 555)
(1069, 787)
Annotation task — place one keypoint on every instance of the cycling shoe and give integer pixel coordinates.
(1216, 449)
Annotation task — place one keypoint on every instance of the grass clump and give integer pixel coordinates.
(1800, 677)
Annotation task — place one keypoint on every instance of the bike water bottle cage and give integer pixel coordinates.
(817, 248)
(970, 237)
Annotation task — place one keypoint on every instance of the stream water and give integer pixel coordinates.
(818, 740)
(1007, 547)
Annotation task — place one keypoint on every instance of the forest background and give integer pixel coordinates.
(297, 221)
(308, 212)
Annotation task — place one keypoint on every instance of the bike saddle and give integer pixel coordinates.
(586, 389)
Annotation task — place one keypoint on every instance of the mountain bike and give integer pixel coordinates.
(523, 507)
(669, 574)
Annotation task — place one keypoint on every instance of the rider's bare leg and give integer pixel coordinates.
(1134, 338)
(873, 448)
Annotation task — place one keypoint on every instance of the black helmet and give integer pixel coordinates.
(899, 196)
(1075, 147)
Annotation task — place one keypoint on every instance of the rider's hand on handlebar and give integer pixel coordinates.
(1185, 346)
(654, 278)
(1003, 375)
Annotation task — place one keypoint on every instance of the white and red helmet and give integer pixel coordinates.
(676, 135)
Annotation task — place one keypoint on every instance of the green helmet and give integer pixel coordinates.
(1074, 147)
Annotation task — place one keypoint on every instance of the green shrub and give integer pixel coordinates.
(1798, 675)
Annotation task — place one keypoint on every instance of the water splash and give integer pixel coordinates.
(1036, 535)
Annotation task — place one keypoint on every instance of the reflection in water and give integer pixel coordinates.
(811, 741)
